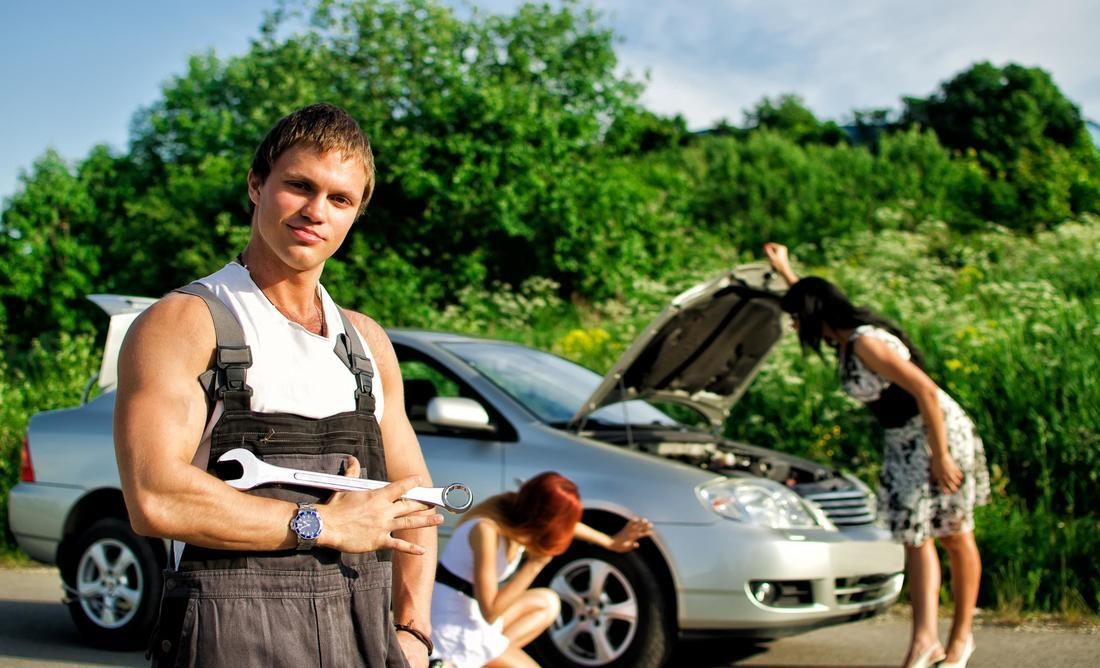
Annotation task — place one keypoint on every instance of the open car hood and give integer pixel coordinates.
(704, 349)
(123, 311)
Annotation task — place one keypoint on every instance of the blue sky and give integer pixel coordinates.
(74, 72)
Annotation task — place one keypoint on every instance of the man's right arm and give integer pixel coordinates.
(160, 414)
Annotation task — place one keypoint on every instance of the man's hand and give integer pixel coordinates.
(416, 652)
(364, 521)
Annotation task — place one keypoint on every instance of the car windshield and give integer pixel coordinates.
(551, 387)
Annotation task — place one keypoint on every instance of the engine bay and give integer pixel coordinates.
(717, 454)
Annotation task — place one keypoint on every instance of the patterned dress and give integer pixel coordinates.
(914, 507)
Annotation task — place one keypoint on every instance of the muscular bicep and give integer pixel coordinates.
(160, 408)
(883, 360)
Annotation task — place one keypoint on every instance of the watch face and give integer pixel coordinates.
(307, 524)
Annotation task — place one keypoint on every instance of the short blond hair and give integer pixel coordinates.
(326, 127)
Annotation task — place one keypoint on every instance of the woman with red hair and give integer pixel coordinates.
(485, 611)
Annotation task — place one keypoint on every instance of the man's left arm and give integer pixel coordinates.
(413, 575)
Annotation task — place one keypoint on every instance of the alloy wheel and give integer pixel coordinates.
(599, 612)
(109, 583)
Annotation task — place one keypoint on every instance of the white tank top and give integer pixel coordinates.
(293, 370)
(458, 556)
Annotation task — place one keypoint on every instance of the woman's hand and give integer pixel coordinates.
(777, 255)
(537, 560)
(627, 538)
(780, 261)
(946, 473)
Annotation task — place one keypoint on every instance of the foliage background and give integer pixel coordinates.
(523, 193)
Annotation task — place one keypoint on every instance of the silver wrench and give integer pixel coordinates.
(455, 497)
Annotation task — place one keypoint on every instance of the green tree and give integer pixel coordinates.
(1027, 136)
(477, 125)
(789, 116)
(49, 263)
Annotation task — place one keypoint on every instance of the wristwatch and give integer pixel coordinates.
(306, 525)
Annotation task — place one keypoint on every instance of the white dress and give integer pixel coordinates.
(460, 632)
(914, 507)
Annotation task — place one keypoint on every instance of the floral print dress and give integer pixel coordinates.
(915, 507)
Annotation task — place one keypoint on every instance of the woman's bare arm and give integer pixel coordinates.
(492, 599)
(880, 358)
(624, 541)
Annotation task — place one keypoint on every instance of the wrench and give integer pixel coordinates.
(455, 497)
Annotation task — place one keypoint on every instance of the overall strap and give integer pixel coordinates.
(350, 351)
(226, 381)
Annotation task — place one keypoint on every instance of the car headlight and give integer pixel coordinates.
(762, 502)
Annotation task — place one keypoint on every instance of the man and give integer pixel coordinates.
(279, 575)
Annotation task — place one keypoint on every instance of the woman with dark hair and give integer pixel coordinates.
(485, 612)
(934, 470)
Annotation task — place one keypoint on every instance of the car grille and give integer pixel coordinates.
(865, 588)
(847, 508)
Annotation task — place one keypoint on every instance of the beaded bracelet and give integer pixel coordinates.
(418, 634)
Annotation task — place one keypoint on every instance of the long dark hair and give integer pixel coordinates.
(816, 302)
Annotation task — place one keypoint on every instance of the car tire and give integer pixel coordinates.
(612, 612)
(114, 581)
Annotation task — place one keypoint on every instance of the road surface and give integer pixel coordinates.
(35, 630)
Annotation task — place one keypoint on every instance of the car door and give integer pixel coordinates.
(472, 457)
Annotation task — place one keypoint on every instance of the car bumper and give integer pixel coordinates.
(818, 577)
(36, 516)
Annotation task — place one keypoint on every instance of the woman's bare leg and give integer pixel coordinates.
(923, 566)
(532, 614)
(529, 616)
(966, 576)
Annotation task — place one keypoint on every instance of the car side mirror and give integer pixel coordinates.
(458, 413)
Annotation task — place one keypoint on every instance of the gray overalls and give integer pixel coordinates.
(282, 608)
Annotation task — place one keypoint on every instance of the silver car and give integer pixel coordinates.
(748, 541)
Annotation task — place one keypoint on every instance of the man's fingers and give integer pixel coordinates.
(407, 523)
(420, 521)
(403, 546)
(408, 507)
(352, 468)
(417, 521)
(397, 488)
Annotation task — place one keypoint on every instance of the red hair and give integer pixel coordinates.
(541, 515)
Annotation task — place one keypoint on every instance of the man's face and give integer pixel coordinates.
(306, 205)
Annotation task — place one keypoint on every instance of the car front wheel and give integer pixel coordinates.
(611, 612)
(114, 582)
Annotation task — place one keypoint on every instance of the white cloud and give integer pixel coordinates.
(711, 59)
(708, 59)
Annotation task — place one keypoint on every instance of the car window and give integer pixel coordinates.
(549, 386)
(423, 380)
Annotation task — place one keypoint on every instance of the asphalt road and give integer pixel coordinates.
(35, 630)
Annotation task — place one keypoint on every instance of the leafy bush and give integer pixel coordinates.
(53, 374)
